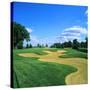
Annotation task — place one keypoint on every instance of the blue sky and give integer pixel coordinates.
(49, 23)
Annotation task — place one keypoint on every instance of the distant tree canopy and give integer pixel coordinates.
(86, 43)
(56, 45)
(38, 45)
(67, 44)
(75, 44)
(19, 35)
(62, 45)
(41, 45)
(29, 45)
(46, 45)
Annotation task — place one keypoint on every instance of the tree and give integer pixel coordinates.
(56, 45)
(52, 46)
(20, 45)
(75, 44)
(30, 46)
(65, 44)
(86, 43)
(27, 46)
(38, 45)
(27, 40)
(46, 45)
(69, 44)
(19, 34)
(82, 44)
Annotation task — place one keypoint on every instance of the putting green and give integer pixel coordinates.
(79, 77)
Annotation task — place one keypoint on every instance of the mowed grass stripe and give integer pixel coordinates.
(37, 73)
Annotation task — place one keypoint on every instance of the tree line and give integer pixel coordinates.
(37, 46)
(20, 34)
(75, 44)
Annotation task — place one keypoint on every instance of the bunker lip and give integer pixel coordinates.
(77, 77)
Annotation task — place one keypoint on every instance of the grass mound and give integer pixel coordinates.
(71, 53)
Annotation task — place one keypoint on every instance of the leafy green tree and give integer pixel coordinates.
(19, 34)
(38, 45)
(82, 45)
(30, 46)
(86, 42)
(69, 44)
(46, 45)
(27, 46)
(56, 45)
(20, 45)
(75, 44)
(52, 46)
(65, 44)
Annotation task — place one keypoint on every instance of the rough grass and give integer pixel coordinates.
(85, 50)
(30, 72)
(38, 51)
(71, 53)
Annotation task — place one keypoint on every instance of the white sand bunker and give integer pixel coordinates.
(79, 77)
(29, 55)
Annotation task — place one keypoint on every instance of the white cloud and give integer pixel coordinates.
(74, 32)
(70, 34)
(61, 39)
(76, 29)
(29, 30)
(86, 12)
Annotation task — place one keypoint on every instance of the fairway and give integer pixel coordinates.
(49, 66)
(49, 44)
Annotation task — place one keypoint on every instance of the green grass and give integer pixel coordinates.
(38, 51)
(30, 72)
(71, 53)
(83, 50)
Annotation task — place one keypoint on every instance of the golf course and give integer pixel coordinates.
(48, 67)
(49, 45)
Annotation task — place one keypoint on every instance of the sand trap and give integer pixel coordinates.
(49, 56)
(29, 55)
(79, 77)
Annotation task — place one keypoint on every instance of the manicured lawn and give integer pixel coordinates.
(30, 72)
